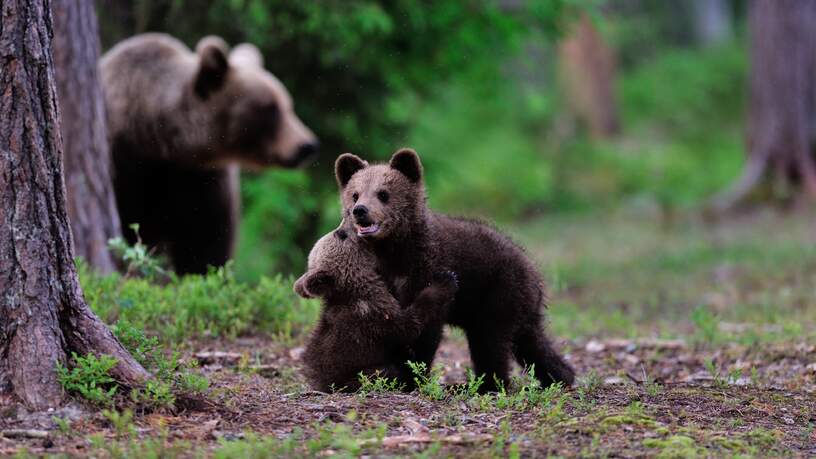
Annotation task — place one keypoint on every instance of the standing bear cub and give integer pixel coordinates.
(501, 295)
(180, 123)
(362, 328)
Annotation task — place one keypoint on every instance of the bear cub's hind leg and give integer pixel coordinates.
(532, 347)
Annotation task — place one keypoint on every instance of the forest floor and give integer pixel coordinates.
(690, 339)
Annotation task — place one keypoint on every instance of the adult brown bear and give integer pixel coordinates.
(501, 295)
(181, 123)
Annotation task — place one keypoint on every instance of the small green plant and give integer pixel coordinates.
(89, 377)
(470, 389)
(755, 378)
(170, 375)
(256, 447)
(428, 382)
(376, 384)
(712, 369)
(155, 394)
(144, 349)
(501, 440)
(635, 409)
(122, 422)
(138, 258)
(722, 380)
(653, 388)
(587, 387)
(191, 382)
(706, 322)
(64, 426)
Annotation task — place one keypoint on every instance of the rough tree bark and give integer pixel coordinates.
(42, 311)
(782, 111)
(587, 71)
(91, 200)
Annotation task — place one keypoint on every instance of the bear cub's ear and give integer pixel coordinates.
(212, 67)
(345, 167)
(407, 162)
(246, 54)
(314, 284)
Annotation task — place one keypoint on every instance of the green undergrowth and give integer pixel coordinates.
(629, 274)
(89, 376)
(200, 306)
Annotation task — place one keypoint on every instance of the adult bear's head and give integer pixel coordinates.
(384, 200)
(257, 123)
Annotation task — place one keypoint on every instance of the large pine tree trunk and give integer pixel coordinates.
(42, 311)
(782, 111)
(91, 201)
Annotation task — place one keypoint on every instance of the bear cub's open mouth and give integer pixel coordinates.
(367, 230)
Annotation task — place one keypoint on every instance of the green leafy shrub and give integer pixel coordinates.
(376, 384)
(138, 258)
(89, 376)
(215, 304)
(499, 172)
(428, 381)
(278, 204)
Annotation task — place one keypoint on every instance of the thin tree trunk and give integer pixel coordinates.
(588, 71)
(91, 200)
(712, 21)
(782, 111)
(42, 311)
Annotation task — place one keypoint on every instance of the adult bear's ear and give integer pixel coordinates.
(345, 167)
(213, 66)
(246, 54)
(407, 161)
(314, 284)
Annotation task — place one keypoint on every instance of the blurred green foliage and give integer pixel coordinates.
(470, 85)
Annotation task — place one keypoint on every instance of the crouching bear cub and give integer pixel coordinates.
(362, 328)
(180, 123)
(501, 294)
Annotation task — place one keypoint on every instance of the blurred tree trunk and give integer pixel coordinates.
(587, 67)
(43, 315)
(782, 111)
(91, 200)
(712, 21)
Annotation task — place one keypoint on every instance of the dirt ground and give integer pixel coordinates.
(635, 398)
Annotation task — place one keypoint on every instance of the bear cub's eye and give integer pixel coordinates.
(355, 196)
(382, 195)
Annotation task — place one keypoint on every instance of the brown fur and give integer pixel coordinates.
(501, 295)
(180, 124)
(362, 328)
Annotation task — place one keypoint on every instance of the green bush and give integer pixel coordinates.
(687, 92)
(89, 376)
(479, 155)
(199, 306)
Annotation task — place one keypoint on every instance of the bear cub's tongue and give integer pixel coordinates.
(370, 229)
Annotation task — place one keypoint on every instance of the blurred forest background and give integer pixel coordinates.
(518, 108)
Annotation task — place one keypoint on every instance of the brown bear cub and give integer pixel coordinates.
(180, 123)
(362, 328)
(501, 295)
